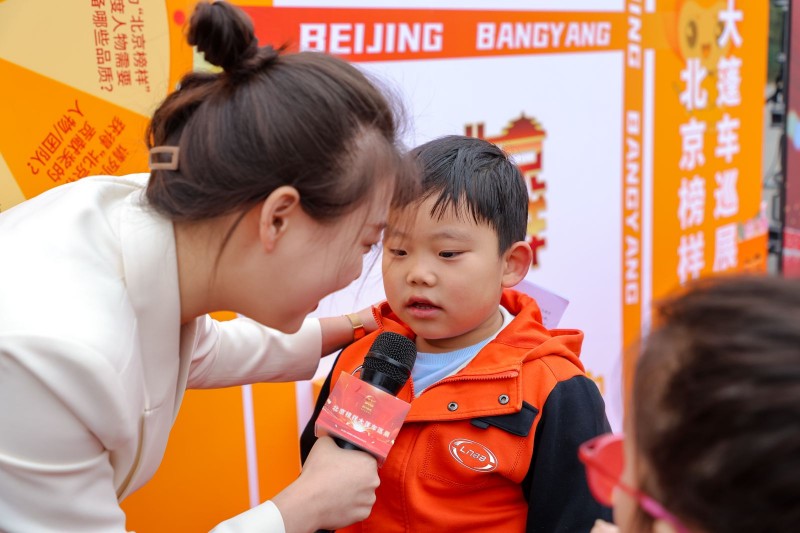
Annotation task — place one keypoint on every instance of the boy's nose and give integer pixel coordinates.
(419, 274)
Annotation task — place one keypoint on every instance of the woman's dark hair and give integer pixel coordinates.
(308, 120)
(476, 178)
(717, 406)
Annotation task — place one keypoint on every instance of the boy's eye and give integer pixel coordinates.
(449, 255)
(397, 252)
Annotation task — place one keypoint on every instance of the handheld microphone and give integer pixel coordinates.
(387, 366)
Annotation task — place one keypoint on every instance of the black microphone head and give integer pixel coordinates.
(392, 355)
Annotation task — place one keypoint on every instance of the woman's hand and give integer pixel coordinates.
(335, 489)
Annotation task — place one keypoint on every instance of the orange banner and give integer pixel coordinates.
(632, 167)
(696, 170)
(708, 143)
(404, 34)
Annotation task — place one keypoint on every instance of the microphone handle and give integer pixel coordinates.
(377, 380)
(346, 445)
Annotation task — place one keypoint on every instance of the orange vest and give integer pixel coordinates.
(467, 441)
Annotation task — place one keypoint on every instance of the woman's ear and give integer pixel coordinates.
(517, 261)
(276, 212)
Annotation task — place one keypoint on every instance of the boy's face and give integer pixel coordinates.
(443, 277)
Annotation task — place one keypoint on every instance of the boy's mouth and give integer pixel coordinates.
(421, 304)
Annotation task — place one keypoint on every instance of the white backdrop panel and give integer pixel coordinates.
(578, 100)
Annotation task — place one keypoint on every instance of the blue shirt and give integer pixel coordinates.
(429, 368)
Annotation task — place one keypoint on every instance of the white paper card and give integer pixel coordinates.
(552, 305)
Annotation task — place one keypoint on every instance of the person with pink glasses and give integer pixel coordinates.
(712, 434)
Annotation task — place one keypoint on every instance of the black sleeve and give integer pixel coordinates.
(307, 439)
(555, 487)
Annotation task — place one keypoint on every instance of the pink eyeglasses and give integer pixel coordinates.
(604, 459)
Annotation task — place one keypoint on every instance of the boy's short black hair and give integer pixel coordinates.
(474, 176)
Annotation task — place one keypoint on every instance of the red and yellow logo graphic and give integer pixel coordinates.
(522, 139)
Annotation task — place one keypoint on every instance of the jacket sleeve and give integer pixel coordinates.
(309, 437)
(265, 517)
(558, 495)
(242, 351)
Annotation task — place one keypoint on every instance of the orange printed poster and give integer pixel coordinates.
(693, 150)
(637, 125)
(79, 86)
(708, 107)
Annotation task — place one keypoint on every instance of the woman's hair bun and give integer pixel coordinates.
(224, 34)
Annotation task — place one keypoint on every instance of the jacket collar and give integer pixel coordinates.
(497, 370)
(526, 334)
(151, 274)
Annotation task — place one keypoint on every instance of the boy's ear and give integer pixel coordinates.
(517, 262)
(276, 211)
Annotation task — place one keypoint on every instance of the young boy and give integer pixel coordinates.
(499, 404)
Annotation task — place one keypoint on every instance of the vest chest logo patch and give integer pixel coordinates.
(473, 455)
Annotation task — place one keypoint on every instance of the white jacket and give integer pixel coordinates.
(94, 361)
